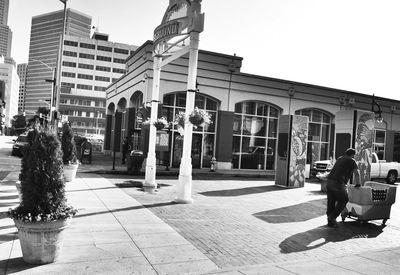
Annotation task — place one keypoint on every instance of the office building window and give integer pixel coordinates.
(70, 43)
(87, 46)
(123, 51)
(69, 64)
(68, 74)
(69, 53)
(103, 58)
(85, 66)
(104, 48)
(86, 55)
(84, 87)
(85, 76)
(103, 69)
(119, 71)
(102, 78)
(119, 60)
(100, 89)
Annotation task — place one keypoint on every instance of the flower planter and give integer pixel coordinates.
(70, 172)
(159, 126)
(196, 121)
(41, 242)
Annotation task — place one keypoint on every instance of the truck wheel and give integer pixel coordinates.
(391, 177)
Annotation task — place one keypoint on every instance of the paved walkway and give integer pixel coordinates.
(233, 227)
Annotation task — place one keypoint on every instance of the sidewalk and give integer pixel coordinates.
(233, 227)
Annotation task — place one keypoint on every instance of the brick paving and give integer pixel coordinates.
(242, 223)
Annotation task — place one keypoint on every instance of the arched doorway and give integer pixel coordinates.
(255, 127)
(319, 134)
(203, 141)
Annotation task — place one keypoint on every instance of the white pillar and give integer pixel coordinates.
(150, 177)
(185, 171)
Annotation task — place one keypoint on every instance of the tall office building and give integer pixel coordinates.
(89, 66)
(21, 71)
(5, 33)
(45, 41)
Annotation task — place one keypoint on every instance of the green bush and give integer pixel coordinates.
(42, 181)
(68, 145)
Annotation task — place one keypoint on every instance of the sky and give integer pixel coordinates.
(352, 45)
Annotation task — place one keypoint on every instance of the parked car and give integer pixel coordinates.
(380, 169)
(19, 145)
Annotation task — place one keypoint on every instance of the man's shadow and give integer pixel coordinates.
(322, 235)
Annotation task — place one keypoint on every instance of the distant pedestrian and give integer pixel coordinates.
(125, 148)
(344, 168)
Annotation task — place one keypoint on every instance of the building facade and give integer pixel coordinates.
(245, 110)
(89, 66)
(21, 71)
(44, 47)
(5, 33)
(9, 85)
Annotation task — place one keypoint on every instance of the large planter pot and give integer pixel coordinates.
(41, 242)
(70, 171)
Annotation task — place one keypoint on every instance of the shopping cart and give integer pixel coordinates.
(373, 201)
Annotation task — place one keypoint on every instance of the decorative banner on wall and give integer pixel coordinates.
(298, 151)
(364, 140)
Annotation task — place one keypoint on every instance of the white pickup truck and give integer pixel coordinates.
(380, 169)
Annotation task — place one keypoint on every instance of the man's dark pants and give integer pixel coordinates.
(337, 198)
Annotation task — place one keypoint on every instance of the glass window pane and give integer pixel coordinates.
(250, 108)
(272, 127)
(324, 151)
(238, 108)
(325, 133)
(246, 127)
(181, 100)
(208, 148)
(326, 118)
(314, 132)
(254, 157)
(260, 109)
(169, 100)
(271, 154)
(211, 104)
(235, 152)
(306, 113)
(199, 101)
(237, 124)
(210, 127)
(380, 136)
(259, 126)
(316, 116)
(273, 112)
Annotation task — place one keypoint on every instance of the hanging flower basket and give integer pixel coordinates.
(160, 123)
(199, 117)
(180, 119)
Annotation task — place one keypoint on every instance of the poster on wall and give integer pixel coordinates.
(363, 143)
(298, 151)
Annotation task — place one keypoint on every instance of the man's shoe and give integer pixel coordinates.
(332, 223)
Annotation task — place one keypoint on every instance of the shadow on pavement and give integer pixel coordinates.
(294, 213)
(125, 209)
(242, 191)
(322, 235)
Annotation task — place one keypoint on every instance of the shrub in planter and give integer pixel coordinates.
(70, 159)
(43, 212)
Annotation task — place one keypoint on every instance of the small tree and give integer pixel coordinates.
(19, 124)
(68, 145)
(42, 183)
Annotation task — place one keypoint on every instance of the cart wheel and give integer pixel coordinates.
(384, 222)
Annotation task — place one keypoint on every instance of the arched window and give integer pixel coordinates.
(319, 132)
(203, 141)
(255, 128)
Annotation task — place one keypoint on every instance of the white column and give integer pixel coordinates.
(150, 177)
(185, 171)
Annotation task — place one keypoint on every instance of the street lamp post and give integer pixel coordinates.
(53, 88)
